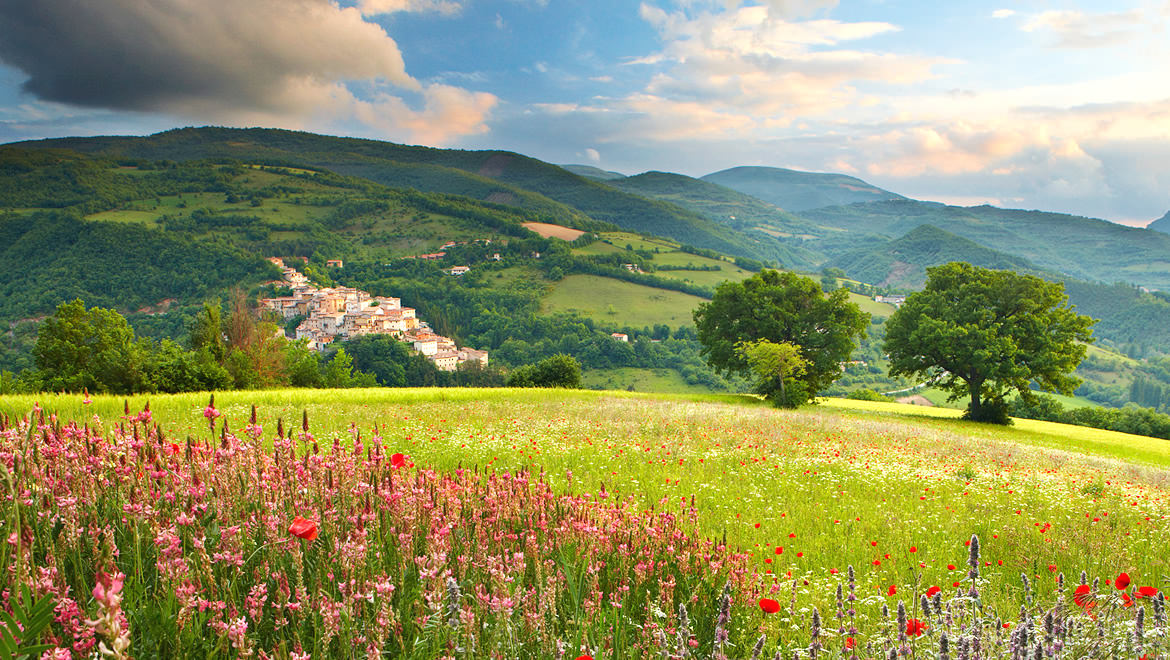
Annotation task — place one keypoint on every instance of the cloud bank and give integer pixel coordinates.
(277, 62)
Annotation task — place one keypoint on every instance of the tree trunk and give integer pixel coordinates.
(975, 408)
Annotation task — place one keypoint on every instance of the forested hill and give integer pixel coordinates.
(1083, 248)
(902, 262)
(799, 191)
(494, 176)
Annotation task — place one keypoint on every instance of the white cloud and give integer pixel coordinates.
(754, 67)
(376, 7)
(1078, 29)
(1003, 13)
(593, 155)
(448, 113)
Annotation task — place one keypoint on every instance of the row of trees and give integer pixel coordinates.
(974, 332)
(96, 350)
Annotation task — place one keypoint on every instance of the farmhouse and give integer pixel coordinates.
(893, 300)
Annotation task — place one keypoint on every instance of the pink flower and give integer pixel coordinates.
(108, 588)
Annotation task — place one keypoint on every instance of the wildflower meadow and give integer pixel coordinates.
(541, 524)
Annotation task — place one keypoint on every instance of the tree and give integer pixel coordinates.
(983, 333)
(557, 371)
(87, 349)
(773, 364)
(781, 307)
(340, 373)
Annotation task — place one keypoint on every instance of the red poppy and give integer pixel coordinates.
(913, 548)
(584, 657)
(1147, 592)
(304, 529)
(850, 643)
(932, 591)
(398, 460)
(1127, 601)
(779, 549)
(892, 590)
(769, 606)
(1122, 581)
(1081, 595)
(915, 628)
(950, 567)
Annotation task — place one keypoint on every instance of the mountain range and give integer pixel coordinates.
(242, 193)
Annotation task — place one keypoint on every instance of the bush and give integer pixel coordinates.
(865, 394)
(559, 370)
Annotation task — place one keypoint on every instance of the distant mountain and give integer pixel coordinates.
(799, 191)
(902, 262)
(1162, 224)
(731, 208)
(596, 173)
(1083, 248)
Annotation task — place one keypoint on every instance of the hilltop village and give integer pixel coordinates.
(341, 313)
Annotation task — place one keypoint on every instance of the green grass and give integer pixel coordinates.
(845, 483)
(633, 305)
(727, 270)
(1089, 441)
(621, 239)
(867, 305)
(642, 380)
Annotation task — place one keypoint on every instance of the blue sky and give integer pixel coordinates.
(1048, 104)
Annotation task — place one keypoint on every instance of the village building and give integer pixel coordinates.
(446, 360)
(341, 313)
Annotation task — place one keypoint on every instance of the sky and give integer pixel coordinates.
(1058, 105)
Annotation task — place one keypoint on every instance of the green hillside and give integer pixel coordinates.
(799, 191)
(731, 208)
(1162, 224)
(48, 257)
(496, 176)
(621, 304)
(902, 262)
(590, 172)
(181, 217)
(1084, 248)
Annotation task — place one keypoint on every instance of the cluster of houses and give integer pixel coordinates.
(896, 300)
(341, 313)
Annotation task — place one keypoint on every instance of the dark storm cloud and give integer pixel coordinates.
(265, 56)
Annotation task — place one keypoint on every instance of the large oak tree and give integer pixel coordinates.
(781, 307)
(983, 333)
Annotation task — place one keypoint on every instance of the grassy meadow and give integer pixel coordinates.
(621, 303)
(778, 505)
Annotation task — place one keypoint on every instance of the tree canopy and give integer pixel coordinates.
(91, 349)
(983, 333)
(775, 366)
(781, 307)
